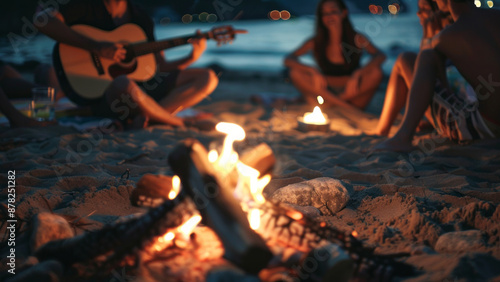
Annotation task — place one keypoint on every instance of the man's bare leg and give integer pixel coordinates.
(421, 93)
(192, 86)
(397, 92)
(127, 100)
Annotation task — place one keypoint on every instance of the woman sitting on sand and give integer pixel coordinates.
(432, 21)
(337, 49)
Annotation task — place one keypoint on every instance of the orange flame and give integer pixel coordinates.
(254, 218)
(187, 227)
(176, 187)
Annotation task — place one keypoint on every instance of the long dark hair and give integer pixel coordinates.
(322, 36)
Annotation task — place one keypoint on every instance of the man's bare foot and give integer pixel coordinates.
(394, 145)
(24, 121)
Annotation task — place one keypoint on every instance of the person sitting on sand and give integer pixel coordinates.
(337, 49)
(13, 85)
(432, 21)
(180, 89)
(472, 44)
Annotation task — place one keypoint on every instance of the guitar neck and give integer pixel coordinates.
(144, 48)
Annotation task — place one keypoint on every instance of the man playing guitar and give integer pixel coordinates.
(172, 89)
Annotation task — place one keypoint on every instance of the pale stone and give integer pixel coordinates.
(49, 227)
(460, 241)
(326, 194)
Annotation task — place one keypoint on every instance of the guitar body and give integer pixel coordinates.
(84, 76)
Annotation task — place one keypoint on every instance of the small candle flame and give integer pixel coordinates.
(320, 100)
(316, 117)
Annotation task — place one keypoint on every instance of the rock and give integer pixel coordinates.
(151, 190)
(278, 183)
(50, 271)
(305, 210)
(460, 242)
(49, 227)
(326, 194)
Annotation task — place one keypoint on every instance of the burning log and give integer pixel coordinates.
(281, 225)
(260, 158)
(219, 209)
(118, 240)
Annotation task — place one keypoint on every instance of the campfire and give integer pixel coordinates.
(216, 210)
(315, 121)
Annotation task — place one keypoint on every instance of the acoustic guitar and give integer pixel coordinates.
(84, 76)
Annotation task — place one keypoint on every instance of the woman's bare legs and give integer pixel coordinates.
(397, 91)
(312, 84)
(361, 95)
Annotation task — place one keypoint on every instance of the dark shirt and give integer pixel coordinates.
(351, 58)
(94, 13)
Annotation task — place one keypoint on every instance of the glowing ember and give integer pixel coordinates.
(176, 187)
(354, 233)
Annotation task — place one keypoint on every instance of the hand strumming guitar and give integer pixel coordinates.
(110, 50)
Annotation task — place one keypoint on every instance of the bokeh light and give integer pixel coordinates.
(477, 3)
(203, 16)
(211, 18)
(187, 18)
(490, 3)
(380, 10)
(274, 15)
(376, 10)
(392, 9)
(165, 20)
(285, 15)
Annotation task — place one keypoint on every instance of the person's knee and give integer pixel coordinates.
(121, 84)
(208, 80)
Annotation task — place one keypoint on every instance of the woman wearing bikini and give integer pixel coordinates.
(337, 49)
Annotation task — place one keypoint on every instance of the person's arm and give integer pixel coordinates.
(292, 60)
(57, 29)
(199, 45)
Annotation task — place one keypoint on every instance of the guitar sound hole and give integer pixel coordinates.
(118, 69)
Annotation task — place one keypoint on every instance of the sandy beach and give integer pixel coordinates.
(439, 203)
